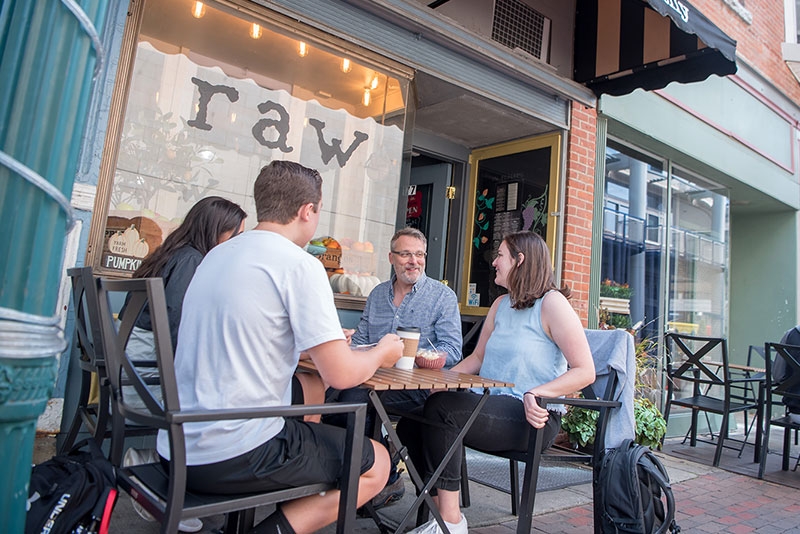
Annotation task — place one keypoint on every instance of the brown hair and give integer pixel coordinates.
(282, 187)
(409, 232)
(531, 280)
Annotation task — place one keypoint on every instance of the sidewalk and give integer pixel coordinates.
(708, 499)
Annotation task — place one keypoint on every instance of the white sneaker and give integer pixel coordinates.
(432, 527)
(149, 456)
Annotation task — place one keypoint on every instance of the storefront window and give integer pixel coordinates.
(633, 240)
(637, 248)
(698, 256)
(215, 94)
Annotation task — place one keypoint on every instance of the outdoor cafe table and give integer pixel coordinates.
(752, 374)
(393, 379)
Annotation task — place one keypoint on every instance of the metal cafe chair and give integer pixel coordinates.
(607, 382)
(91, 414)
(712, 387)
(162, 492)
(780, 388)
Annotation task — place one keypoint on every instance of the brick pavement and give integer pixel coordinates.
(718, 501)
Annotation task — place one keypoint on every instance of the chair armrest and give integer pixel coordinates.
(579, 402)
(196, 416)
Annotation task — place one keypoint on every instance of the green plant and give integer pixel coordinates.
(650, 424)
(610, 288)
(580, 424)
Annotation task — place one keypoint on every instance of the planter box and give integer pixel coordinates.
(615, 305)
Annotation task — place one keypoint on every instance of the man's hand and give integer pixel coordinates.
(392, 347)
(348, 334)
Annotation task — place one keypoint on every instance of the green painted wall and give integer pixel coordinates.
(763, 278)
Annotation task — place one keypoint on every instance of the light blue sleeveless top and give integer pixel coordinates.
(519, 351)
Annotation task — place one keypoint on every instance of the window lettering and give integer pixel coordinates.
(281, 125)
(206, 92)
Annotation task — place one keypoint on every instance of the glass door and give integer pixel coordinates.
(514, 186)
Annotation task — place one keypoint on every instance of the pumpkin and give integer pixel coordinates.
(140, 249)
(357, 285)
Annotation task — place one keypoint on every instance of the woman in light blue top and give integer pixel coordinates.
(531, 337)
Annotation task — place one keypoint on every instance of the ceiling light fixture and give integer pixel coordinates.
(346, 66)
(374, 83)
(302, 49)
(198, 10)
(366, 98)
(255, 31)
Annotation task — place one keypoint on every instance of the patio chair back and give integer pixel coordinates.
(89, 353)
(699, 377)
(783, 387)
(162, 492)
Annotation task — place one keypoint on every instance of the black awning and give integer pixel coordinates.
(623, 45)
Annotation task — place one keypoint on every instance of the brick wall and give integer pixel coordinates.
(579, 185)
(758, 44)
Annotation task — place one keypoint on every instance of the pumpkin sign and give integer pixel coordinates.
(128, 241)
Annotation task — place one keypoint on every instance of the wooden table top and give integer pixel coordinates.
(396, 379)
(739, 367)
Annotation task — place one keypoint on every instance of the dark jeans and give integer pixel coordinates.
(500, 426)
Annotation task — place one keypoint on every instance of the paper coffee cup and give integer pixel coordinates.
(405, 362)
(410, 337)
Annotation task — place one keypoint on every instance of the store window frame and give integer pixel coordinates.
(121, 93)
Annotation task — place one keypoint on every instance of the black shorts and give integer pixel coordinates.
(302, 453)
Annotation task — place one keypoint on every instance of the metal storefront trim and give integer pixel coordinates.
(466, 61)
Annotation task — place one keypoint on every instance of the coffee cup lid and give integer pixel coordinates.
(408, 329)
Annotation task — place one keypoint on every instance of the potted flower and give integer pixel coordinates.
(580, 423)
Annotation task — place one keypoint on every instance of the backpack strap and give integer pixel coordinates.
(653, 466)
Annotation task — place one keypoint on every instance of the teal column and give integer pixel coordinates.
(49, 51)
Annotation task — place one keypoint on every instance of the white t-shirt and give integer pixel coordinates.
(254, 304)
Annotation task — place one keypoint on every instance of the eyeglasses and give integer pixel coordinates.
(406, 254)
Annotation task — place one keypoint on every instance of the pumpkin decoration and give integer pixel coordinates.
(128, 243)
(358, 285)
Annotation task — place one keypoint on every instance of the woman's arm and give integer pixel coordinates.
(562, 325)
(472, 363)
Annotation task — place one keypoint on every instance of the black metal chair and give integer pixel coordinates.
(607, 381)
(163, 492)
(92, 415)
(781, 386)
(713, 388)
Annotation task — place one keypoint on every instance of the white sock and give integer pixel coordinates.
(456, 528)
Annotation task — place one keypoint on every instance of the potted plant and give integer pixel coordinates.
(580, 423)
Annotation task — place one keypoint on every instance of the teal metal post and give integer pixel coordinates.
(49, 50)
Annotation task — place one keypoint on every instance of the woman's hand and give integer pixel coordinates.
(535, 414)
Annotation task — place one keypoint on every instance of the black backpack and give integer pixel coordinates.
(72, 493)
(628, 491)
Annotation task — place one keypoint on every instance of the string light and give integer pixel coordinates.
(198, 10)
(366, 98)
(302, 50)
(255, 31)
(346, 65)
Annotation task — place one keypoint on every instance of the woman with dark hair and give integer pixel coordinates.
(213, 220)
(531, 337)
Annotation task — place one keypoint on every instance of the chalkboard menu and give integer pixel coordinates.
(512, 192)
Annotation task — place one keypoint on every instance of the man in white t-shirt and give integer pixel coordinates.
(254, 304)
